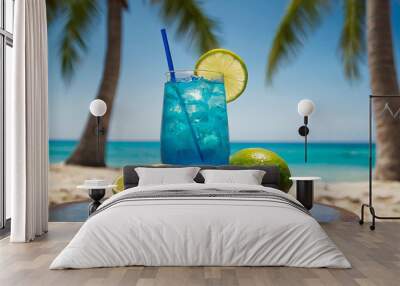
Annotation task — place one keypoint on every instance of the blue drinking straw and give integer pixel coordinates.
(168, 54)
(173, 79)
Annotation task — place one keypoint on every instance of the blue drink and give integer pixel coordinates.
(194, 122)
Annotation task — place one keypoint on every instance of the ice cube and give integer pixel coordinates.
(174, 108)
(176, 127)
(198, 112)
(216, 101)
(193, 94)
(210, 141)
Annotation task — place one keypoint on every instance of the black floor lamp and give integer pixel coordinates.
(305, 107)
(370, 201)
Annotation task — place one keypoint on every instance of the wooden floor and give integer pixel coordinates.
(375, 257)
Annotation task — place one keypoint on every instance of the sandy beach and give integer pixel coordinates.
(350, 196)
(63, 180)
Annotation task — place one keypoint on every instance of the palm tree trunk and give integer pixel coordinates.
(383, 79)
(85, 153)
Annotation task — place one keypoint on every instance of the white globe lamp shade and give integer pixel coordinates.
(98, 107)
(305, 107)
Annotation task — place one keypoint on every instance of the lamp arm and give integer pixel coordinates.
(98, 139)
(305, 148)
(303, 131)
(100, 130)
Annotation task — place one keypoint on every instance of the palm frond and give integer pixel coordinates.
(191, 20)
(352, 40)
(53, 9)
(301, 17)
(80, 14)
(76, 17)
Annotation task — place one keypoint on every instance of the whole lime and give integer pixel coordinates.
(119, 182)
(263, 157)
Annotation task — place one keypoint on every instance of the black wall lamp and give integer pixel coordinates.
(98, 108)
(305, 107)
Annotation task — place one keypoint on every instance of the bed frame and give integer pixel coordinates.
(271, 177)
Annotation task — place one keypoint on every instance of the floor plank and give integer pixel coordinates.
(375, 257)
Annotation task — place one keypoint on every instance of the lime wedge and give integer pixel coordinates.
(119, 182)
(230, 65)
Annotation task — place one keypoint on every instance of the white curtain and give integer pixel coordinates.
(26, 124)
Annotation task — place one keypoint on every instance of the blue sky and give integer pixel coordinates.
(262, 113)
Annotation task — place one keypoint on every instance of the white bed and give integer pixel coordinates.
(207, 230)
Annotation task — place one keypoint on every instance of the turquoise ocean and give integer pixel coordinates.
(332, 161)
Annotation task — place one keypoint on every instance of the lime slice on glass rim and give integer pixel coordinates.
(230, 65)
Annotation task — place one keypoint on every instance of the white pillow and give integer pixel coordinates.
(248, 177)
(166, 176)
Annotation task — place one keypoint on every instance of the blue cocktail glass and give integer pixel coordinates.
(194, 121)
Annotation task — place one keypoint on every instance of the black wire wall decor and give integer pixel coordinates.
(394, 114)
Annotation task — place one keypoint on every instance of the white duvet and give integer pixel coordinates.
(200, 231)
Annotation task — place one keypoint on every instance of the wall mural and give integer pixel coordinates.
(222, 88)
